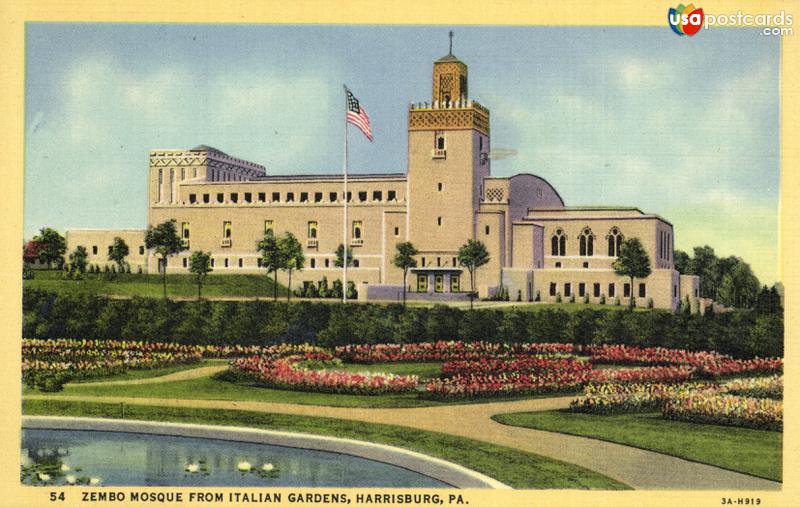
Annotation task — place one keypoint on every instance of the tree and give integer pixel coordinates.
(632, 262)
(292, 253)
(119, 250)
(271, 258)
(77, 259)
(704, 265)
(200, 265)
(682, 262)
(768, 301)
(472, 255)
(739, 287)
(404, 259)
(52, 247)
(166, 242)
(339, 262)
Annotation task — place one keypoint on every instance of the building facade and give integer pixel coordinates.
(539, 248)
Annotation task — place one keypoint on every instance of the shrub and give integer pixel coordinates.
(741, 334)
(650, 302)
(617, 301)
(558, 297)
(602, 299)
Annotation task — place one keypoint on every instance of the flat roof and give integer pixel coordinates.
(356, 176)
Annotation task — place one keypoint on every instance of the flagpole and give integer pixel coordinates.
(344, 228)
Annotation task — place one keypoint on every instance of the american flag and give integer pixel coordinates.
(357, 116)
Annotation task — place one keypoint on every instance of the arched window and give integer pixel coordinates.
(586, 242)
(614, 242)
(558, 243)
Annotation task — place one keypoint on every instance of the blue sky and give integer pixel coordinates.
(683, 127)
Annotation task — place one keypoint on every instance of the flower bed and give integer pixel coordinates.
(48, 364)
(616, 398)
(708, 364)
(284, 373)
(513, 376)
(444, 351)
(760, 387)
(647, 374)
(708, 406)
(740, 402)
(516, 364)
(728, 367)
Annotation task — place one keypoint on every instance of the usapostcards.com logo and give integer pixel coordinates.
(685, 20)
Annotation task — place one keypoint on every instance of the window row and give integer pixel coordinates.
(439, 262)
(95, 249)
(664, 245)
(302, 197)
(227, 263)
(312, 231)
(586, 242)
(596, 290)
(438, 283)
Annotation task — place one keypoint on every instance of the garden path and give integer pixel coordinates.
(637, 468)
(203, 371)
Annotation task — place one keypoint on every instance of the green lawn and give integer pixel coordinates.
(510, 466)
(508, 306)
(155, 372)
(215, 388)
(754, 452)
(424, 371)
(150, 285)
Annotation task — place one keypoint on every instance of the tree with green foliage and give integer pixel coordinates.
(200, 265)
(51, 247)
(271, 258)
(404, 259)
(339, 262)
(768, 301)
(472, 255)
(739, 287)
(119, 250)
(704, 264)
(77, 259)
(164, 239)
(682, 262)
(632, 262)
(293, 258)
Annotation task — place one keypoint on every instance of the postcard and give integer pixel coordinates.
(432, 254)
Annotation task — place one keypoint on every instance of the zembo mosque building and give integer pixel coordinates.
(538, 246)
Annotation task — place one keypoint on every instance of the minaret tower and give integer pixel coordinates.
(448, 146)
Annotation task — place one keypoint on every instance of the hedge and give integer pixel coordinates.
(741, 334)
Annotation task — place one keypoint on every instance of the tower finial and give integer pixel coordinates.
(451, 42)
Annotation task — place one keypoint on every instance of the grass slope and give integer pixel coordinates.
(515, 468)
(155, 372)
(215, 388)
(150, 285)
(750, 451)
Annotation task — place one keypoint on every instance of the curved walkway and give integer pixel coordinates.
(203, 371)
(637, 468)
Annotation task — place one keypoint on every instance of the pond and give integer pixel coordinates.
(109, 458)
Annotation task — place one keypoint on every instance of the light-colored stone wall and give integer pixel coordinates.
(630, 225)
(98, 241)
(658, 286)
(441, 220)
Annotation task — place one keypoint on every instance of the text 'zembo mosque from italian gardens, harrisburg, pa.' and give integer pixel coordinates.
(538, 247)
